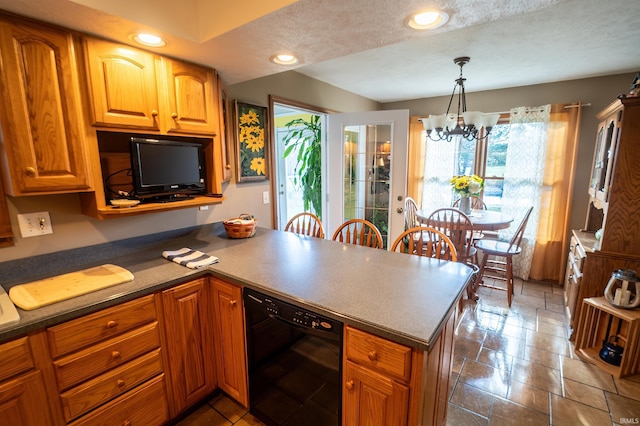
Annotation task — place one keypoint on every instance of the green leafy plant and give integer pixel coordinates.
(305, 138)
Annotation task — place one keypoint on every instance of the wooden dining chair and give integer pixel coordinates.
(410, 217)
(458, 227)
(476, 203)
(425, 241)
(500, 266)
(305, 224)
(360, 232)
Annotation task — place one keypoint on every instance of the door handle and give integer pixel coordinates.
(400, 210)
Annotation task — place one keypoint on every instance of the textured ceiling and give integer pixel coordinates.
(364, 47)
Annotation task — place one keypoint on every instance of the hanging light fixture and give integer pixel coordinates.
(465, 124)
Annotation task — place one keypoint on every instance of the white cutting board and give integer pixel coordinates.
(44, 292)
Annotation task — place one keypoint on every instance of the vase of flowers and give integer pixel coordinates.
(466, 186)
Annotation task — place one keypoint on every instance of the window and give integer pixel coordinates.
(485, 158)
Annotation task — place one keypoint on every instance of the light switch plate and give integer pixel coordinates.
(35, 224)
(265, 197)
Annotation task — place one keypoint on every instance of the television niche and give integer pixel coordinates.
(165, 170)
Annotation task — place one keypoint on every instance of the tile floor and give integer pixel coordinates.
(512, 367)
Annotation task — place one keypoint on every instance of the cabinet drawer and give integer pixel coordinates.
(95, 360)
(378, 354)
(101, 325)
(145, 405)
(87, 396)
(15, 358)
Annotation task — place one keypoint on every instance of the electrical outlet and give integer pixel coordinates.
(265, 197)
(35, 224)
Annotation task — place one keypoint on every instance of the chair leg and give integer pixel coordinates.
(509, 281)
(478, 281)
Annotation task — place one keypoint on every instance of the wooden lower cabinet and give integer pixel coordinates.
(229, 337)
(145, 405)
(385, 383)
(188, 347)
(371, 398)
(108, 366)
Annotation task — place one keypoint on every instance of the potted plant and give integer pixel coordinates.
(304, 137)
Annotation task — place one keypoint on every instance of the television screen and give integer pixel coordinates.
(166, 167)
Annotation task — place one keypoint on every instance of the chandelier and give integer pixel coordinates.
(465, 124)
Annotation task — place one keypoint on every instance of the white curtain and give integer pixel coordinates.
(523, 177)
(438, 168)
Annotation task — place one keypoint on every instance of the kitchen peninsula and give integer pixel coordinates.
(401, 305)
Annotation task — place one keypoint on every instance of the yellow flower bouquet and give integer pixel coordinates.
(467, 185)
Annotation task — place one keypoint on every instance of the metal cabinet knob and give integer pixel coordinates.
(30, 171)
(154, 112)
(111, 324)
(174, 115)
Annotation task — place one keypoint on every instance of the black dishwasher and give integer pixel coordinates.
(295, 363)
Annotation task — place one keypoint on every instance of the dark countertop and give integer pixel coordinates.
(400, 297)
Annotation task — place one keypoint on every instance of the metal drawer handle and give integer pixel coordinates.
(372, 356)
(111, 324)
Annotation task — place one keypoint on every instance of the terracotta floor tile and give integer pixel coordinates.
(537, 375)
(204, 416)
(529, 396)
(629, 386)
(457, 416)
(547, 342)
(495, 359)
(465, 348)
(554, 307)
(471, 398)
(557, 299)
(509, 345)
(589, 374)
(471, 331)
(553, 329)
(623, 410)
(230, 409)
(557, 318)
(567, 412)
(507, 413)
(588, 395)
(485, 377)
(549, 359)
(249, 420)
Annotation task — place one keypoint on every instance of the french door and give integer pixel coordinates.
(367, 170)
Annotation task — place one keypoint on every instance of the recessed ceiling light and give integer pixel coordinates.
(284, 59)
(428, 20)
(149, 40)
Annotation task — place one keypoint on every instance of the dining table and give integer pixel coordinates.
(482, 220)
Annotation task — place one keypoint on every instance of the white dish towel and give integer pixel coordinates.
(190, 258)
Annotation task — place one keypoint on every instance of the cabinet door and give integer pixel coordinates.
(41, 116)
(23, 401)
(191, 100)
(230, 340)
(372, 399)
(123, 85)
(189, 343)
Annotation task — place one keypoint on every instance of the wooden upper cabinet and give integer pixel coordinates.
(42, 127)
(191, 98)
(123, 85)
(132, 88)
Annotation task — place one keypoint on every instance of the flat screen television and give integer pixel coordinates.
(166, 170)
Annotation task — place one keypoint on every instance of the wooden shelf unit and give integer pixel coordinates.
(597, 322)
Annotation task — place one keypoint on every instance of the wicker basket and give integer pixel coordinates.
(240, 230)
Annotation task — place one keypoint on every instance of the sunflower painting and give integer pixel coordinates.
(252, 136)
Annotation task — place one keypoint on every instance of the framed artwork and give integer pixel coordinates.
(251, 142)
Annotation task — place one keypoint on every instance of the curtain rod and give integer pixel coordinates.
(529, 110)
